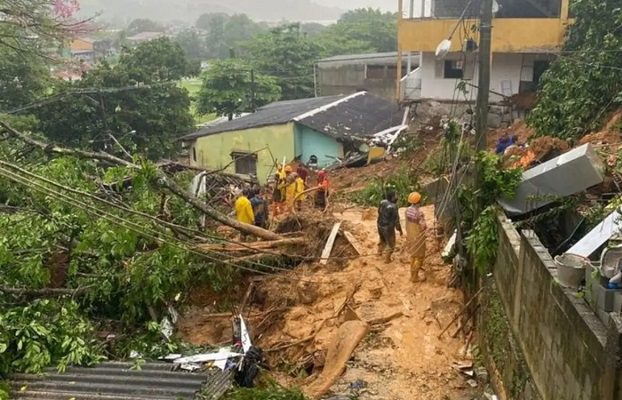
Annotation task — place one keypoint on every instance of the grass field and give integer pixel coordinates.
(193, 86)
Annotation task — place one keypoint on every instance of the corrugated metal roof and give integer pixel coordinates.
(117, 381)
(389, 57)
(277, 113)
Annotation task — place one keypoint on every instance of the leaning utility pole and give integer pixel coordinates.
(485, 36)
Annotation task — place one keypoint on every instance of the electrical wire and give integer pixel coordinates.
(130, 225)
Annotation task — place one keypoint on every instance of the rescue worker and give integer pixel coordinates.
(388, 223)
(303, 173)
(415, 235)
(300, 189)
(322, 193)
(289, 187)
(278, 193)
(244, 209)
(260, 208)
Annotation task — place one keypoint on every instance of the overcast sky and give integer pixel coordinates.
(389, 5)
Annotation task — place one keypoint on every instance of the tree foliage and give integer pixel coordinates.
(585, 82)
(230, 87)
(138, 102)
(225, 34)
(288, 55)
(140, 25)
(363, 30)
(129, 266)
(30, 26)
(23, 79)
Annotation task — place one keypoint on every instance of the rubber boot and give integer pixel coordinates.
(380, 250)
(415, 266)
(387, 256)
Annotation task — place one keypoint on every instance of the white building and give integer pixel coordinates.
(527, 34)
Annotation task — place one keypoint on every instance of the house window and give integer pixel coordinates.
(375, 72)
(453, 69)
(245, 163)
(194, 154)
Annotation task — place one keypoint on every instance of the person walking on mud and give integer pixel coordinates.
(388, 223)
(415, 235)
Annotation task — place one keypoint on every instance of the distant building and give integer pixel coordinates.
(526, 35)
(325, 127)
(82, 49)
(145, 37)
(346, 74)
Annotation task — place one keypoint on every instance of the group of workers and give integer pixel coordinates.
(389, 223)
(289, 187)
(288, 191)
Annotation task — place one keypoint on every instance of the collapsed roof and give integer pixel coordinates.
(360, 115)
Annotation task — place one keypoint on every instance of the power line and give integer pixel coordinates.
(137, 228)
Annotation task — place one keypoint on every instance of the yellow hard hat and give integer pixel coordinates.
(288, 168)
(414, 198)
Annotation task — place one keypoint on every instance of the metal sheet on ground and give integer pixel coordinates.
(570, 173)
(598, 236)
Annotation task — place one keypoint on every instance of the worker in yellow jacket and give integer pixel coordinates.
(244, 209)
(415, 235)
(300, 188)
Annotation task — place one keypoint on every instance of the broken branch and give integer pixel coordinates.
(163, 181)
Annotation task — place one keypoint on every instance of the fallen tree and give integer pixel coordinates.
(160, 178)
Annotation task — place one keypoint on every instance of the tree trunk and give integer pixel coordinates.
(163, 181)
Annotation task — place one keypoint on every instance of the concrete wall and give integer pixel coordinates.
(214, 151)
(310, 142)
(507, 71)
(569, 352)
(352, 78)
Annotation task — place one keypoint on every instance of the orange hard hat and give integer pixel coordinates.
(414, 198)
(288, 168)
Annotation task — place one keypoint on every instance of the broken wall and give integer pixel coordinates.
(570, 354)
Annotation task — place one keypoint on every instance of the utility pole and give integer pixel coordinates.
(485, 39)
(253, 90)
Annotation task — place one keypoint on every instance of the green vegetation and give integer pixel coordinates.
(403, 182)
(584, 84)
(481, 228)
(5, 390)
(231, 88)
(272, 392)
(140, 103)
(193, 86)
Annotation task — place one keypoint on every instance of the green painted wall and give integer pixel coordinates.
(214, 151)
(311, 142)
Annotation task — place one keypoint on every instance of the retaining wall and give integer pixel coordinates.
(570, 354)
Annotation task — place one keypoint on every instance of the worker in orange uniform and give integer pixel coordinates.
(322, 193)
(244, 209)
(415, 235)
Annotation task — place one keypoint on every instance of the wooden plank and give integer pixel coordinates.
(330, 243)
(355, 243)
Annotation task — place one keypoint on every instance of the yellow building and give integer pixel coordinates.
(526, 36)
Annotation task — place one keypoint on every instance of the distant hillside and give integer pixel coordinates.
(122, 11)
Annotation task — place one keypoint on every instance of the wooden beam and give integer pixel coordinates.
(355, 243)
(330, 243)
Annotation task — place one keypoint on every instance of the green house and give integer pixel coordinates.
(324, 127)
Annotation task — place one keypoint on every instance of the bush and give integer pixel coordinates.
(43, 333)
(403, 182)
(273, 392)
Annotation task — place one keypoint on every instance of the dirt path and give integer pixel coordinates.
(406, 360)
(402, 359)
